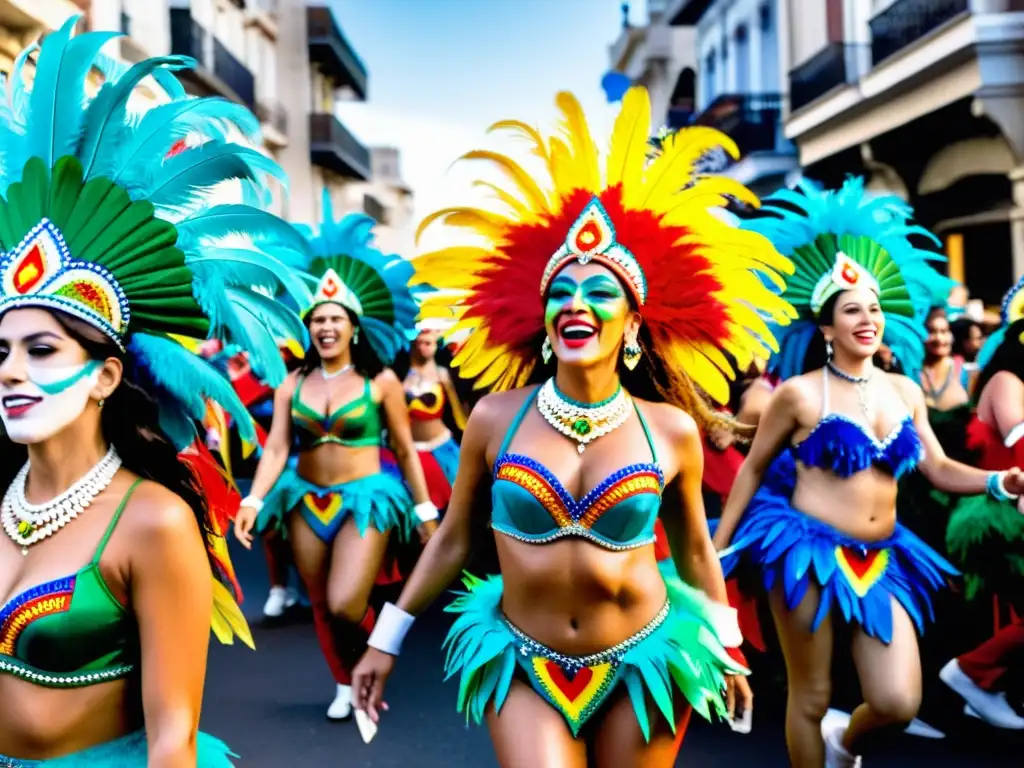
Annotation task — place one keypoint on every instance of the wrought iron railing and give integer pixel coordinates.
(835, 65)
(234, 74)
(332, 145)
(907, 21)
(329, 48)
(753, 121)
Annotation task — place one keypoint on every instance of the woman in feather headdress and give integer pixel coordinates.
(985, 536)
(618, 291)
(114, 266)
(813, 507)
(337, 505)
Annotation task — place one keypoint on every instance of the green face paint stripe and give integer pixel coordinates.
(56, 387)
(585, 290)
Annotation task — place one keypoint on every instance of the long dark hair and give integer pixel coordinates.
(364, 359)
(129, 421)
(1009, 356)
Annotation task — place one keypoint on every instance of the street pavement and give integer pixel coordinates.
(270, 707)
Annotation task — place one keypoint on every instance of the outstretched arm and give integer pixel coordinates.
(774, 430)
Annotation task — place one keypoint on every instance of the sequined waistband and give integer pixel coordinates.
(530, 647)
(10, 762)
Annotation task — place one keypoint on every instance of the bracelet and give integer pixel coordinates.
(253, 502)
(1014, 436)
(393, 624)
(996, 488)
(425, 512)
(724, 619)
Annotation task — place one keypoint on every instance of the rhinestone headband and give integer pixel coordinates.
(592, 238)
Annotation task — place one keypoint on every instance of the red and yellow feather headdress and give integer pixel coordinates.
(699, 284)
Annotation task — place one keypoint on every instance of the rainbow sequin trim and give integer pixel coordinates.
(45, 600)
(535, 478)
(576, 686)
(40, 271)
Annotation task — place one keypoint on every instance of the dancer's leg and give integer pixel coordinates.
(620, 743)
(530, 733)
(808, 658)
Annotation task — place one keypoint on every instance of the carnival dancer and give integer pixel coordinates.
(617, 294)
(986, 534)
(337, 505)
(819, 485)
(111, 256)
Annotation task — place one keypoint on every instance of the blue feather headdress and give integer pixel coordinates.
(837, 239)
(106, 215)
(346, 269)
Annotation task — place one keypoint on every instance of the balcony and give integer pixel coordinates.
(907, 21)
(753, 121)
(329, 49)
(218, 70)
(838, 64)
(272, 113)
(331, 146)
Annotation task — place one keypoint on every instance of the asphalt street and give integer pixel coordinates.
(269, 706)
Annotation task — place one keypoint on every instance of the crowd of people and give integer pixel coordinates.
(592, 369)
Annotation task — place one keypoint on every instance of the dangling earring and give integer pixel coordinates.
(100, 403)
(546, 351)
(631, 353)
(828, 349)
(355, 336)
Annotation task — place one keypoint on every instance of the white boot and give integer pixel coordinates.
(277, 602)
(921, 729)
(990, 707)
(833, 727)
(341, 707)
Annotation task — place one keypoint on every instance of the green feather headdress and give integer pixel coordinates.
(100, 219)
(845, 238)
(346, 269)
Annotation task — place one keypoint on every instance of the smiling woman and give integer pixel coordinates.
(115, 569)
(590, 284)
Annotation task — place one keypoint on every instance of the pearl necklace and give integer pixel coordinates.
(582, 422)
(861, 382)
(335, 374)
(27, 524)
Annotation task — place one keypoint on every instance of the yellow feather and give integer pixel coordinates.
(527, 131)
(486, 223)
(628, 154)
(702, 372)
(562, 176)
(523, 181)
(673, 168)
(584, 151)
(227, 621)
(524, 213)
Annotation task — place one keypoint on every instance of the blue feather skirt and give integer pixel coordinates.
(127, 752)
(792, 549)
(677, 652)
(377, 501)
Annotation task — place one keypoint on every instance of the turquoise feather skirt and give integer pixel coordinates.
(377, 501)
(127, 752)
(678, 651)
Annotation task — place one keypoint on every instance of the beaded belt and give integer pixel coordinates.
(530, 647)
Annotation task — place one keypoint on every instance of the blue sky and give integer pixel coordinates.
(441, 71)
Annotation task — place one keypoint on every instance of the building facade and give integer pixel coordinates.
(740, 87)
(926, 99)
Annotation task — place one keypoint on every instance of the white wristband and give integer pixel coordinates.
(1014, 436)
(393, 624)
(425, 512)
(253, 502)
(725, 621)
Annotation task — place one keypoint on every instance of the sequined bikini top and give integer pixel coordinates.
(845, 447)
(532, 505)
(426, 402)
(70, 632)
(355, 424)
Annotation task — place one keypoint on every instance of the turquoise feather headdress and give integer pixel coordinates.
(100, 219)
(841, 238)
(347, 269)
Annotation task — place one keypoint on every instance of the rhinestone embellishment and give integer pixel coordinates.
(582, 422)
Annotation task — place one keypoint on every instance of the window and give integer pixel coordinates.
(373, 208)
(742, 60)
(126, 24)
(709, 78)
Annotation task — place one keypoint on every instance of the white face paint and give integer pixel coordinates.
(51, 399)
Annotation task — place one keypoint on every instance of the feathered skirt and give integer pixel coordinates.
(792, 549)
(985, 537)
(679, 649)
(439, 459)
(376, 501)
(127, 752)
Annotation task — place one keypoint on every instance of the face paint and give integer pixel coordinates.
(51, 399)
(585, 314)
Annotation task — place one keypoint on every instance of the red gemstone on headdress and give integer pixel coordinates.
(330, 288)
(588, 236)
(849, 273)
(31, 269)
